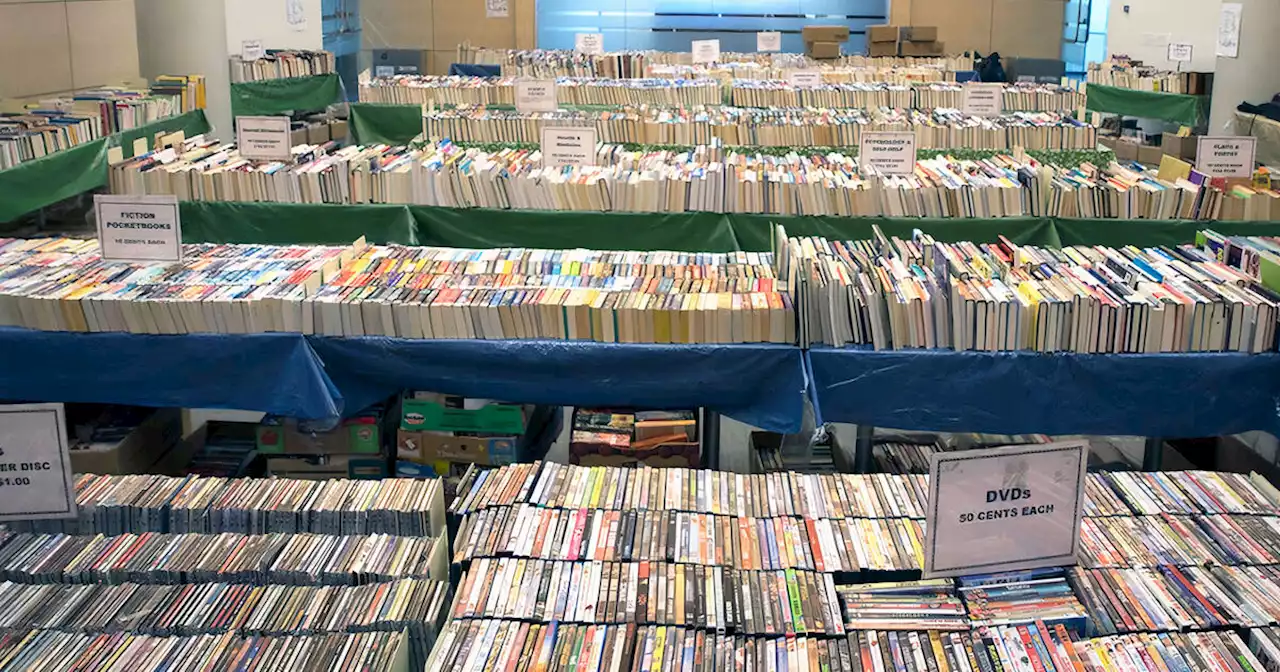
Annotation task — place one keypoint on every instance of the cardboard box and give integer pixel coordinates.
(1183, 148)
(355, 436)
(318, 134)
(920, 48)
(1150, 154)
(822, 49)
(342, 466)
(1108, 141)
(1127, 149)
(824, 34)
(882, 34)
(431, 447)
(433, 412)
(338, 129)
(298, 136)
(153, 442)
(882, 48)
(919, 33)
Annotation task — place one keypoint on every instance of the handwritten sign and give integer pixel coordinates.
(1180, 52)
(706, 51)
(588, 43)
(266, 138)
(251, 50)
(770, 41)
(1003, 509)
(889, 152)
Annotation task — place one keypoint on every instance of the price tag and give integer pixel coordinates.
(251, 50)
(768, 41)
(983, 100)
(35, 463)
(889, 152)
(706, 51)
(138, 228)
(1180, 52)
(266, 138)
(1226, 156)
(1004, 509)
(588, 43)
(568, 146)
(805, 79)
(536, 96)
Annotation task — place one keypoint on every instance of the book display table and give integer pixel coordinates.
(1175, 107)
(280, 96)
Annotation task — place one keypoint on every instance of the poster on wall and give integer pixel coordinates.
(295, 13)
(1229, 29)
(496, 9)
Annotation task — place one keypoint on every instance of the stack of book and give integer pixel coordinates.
(784, 69)
(1019, 97)
(282, 64)
(38, 133)
(1123, 73)
(453, 90)
(782, 93)
(897, 294)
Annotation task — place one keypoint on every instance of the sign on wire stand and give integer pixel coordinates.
(769, 41)
(264, 138)
(138, 228)
(1180, 52)
(706, 51)
(982, 99)
(805, 79)
(588, 43)
(1226, 155)
(568, 146)
(536, 95)
(251, 50)
(890, 152)
(1004, 509)
(35, 463)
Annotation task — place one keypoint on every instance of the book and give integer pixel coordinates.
(283, 64)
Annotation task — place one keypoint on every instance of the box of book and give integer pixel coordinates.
(435, 412)
(822, 49)
(1127, 149)
(919, 33)
(360, 435)
(1150, 154)
(605, 437)
(122, 439)
(920, 48)
(882, 34)
(1183, 147)
(824, 34)
(445, 447)
(882, 49)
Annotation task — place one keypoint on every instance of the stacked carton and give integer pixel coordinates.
(824, 41)
(903, 41)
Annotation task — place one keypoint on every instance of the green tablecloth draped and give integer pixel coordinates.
(290, 223)
(373, 123)
(1176, 107)
(35, 184)
(278, 96)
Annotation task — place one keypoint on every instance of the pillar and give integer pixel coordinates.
(1252, 76)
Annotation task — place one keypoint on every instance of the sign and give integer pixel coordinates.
(35, 463)
(1026, 78)
(536, 96)
(588, 43)
(982, 100)
(568, 146)
(384, 70)
(1016, 507)
(1180, 52)
(496, 9)
(266, 138)
(706, 51)
(295, 14)
(768, 41)
(251, 50)
(1226, 156)
(805, 79)
(890, 152)
(138, 228)
(1229, 29)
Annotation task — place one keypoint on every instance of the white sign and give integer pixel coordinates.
(536, 96)
(251, 50)
(35, 465)
(1226, 156)
(295, 13)
(706, 51)
(889, 152)
(1002, 509)
(588, 43)
(266, 138)
(384, 70)
(1180, 52)
(1229, 29)
(983, 100)
(768, 41)
(805, 79)
(496, 9)
(138, 228)
(1026, 78)
(568, 146)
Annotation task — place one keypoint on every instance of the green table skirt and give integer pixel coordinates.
(1176, 107)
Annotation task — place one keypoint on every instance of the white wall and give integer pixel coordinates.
(1146, 31)
(186, 37)
(266, 20)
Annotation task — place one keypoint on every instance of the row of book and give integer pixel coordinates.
(37, 133)
(153, 558)
(415, 605)
(409, 292)
(1183, 541)
(782, 70)
(283, 64)
(637, 63)
(113, 505)
(429, 90)
(822, 545)
(1169, 599)
(816, 496)
(743, 127)
(964, 296)
(476, 645)
(791, 602)
(1018, 97)
(47, 650)
(1126, 74)
(778, 494)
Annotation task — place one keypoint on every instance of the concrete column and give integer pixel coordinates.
(1253, 75)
